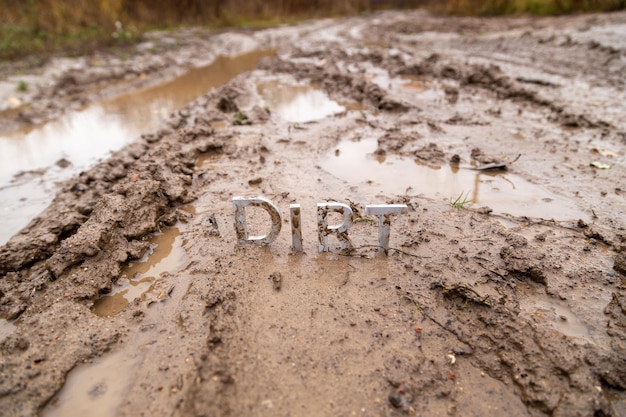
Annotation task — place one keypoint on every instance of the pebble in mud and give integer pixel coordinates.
(98, 390)
(277, 280)
(400, 401)
(620, 263)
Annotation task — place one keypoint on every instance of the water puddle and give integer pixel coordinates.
(503, 192)
(558, 316)
(6, 328)
(79, 138)
(298, 103)
(101, 387)
(165, 98)
(95, 390)
(139, 279)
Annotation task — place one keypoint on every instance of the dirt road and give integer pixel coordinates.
(503, 291)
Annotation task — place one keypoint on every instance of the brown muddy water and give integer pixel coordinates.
(96, 390)
(560, 316)
(298, 103)
(355, 162)
(35, 159)
(139, 279)
(504, 192)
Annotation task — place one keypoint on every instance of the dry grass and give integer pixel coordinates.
(535, 7)
(29, 26)
(46, 25)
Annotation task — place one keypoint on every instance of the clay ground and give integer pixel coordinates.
(513, 305)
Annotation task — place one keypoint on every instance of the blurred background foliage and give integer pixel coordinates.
(535, 7)
(31, 26)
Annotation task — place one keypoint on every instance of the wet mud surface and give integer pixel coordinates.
(503, 291)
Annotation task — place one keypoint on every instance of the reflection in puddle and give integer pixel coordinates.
(79, 137)
(139, 278)
(501, 191)
(82, 137)
(557, 315)
(6, 328)
(96, 390)
(298, 103)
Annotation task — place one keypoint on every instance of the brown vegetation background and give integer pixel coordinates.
(67, 16)
(46, 25)
(538, 7)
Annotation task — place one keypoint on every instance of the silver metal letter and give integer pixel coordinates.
(296, 227)
(384, 212)
(240, 204)
(340, 230)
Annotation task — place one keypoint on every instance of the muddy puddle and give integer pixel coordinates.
(100, 387)
(53, 152)
(560, 317)
(139, 280)
(97, 389)
(298, 103)
(504, 192)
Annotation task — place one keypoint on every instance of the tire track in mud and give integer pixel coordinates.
(80, 268)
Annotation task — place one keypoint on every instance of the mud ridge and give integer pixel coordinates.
(335, 83)
(493, 78)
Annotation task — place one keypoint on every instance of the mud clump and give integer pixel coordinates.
(461, 292)
(394, 142)
(522, 261)
(479, 156)
(616, 311)
(336, 83)
(132, 213)
(277, 280)
(620, 263)
(430, 154)
(362, 91)
(227, 102)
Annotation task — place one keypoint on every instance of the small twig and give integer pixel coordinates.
(529, 221)
(502, 277)
(347, 278)
(396, 249)
(408, 296)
